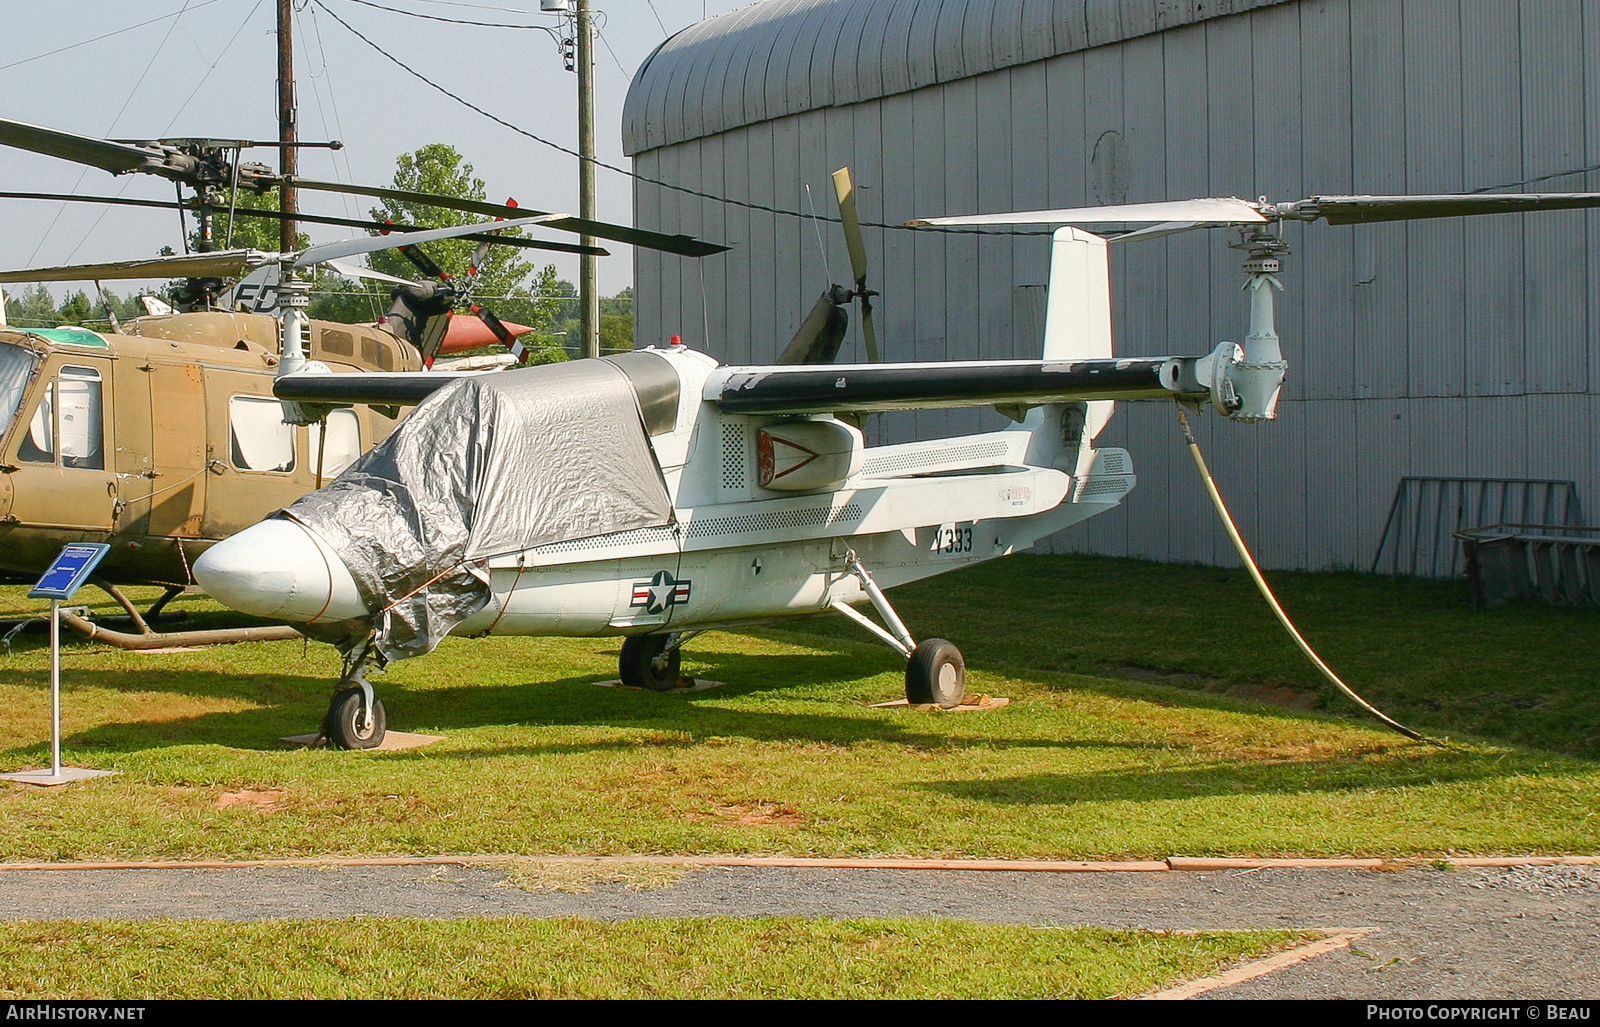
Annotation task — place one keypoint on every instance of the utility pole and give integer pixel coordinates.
(588, 267)
(287, 162)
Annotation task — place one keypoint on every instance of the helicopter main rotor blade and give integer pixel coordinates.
(117, 158)
(319, 219)
(232, 263)
(217, 264)
(682, 245)
(1217, 210)
(1357, 210)
(351, 247)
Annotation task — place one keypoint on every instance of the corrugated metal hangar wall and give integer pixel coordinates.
(1451, 347)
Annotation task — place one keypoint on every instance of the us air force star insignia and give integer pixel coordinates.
(659, 592)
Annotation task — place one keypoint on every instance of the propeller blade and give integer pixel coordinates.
(682, 245)
(1355, 210)
(117, 158)
(423, 262)
(845, 190)
(217, 264)
(1221, 210)
(868, 336)
(818, 338)
(351, 247)
(464, 333)
(497, 326)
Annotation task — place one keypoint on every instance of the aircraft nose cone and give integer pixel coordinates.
(278, 568)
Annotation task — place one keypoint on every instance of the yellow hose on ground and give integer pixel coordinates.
(1266, 590)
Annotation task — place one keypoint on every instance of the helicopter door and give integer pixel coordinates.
(62, 478)
(177, 449)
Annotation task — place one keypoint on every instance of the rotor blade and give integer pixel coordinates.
(117, 158)
(422, 262)
(218, 264)
(319, 219)
(817, 340)
(868, 336)
(376, 387)
(350, 270)
(497, 326)
(869, 388)
(381, 226)
(682, 245)
(1226, 210)
(1164, 229)
(845, 190)
(124, 201)
(350, 247)
(1354, 210)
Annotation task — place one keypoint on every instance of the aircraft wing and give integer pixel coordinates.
(867, 388)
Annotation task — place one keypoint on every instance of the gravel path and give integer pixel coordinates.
(1524, 932)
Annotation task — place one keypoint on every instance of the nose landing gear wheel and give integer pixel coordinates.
(346, 727)
(936, 674)
(646, 662)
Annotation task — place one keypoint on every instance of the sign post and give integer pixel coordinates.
(65, 576)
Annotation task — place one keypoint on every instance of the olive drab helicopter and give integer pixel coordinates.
(161, 435)
(657, 494)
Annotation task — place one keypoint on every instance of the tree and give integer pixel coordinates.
(76, 309)
(503, 279)
(33, 307)
(438, 168)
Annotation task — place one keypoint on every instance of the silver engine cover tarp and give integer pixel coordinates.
(483, 467)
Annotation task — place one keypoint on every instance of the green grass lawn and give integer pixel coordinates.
(1123, 739)
(574, 958)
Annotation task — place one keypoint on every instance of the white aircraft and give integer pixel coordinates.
(658, 494)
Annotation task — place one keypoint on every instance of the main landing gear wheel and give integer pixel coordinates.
(646, 662)
(936, 674)
(346, 726)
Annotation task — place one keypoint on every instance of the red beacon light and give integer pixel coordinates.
(677, 340)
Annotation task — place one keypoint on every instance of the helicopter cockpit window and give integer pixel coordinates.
(343, 445)
(70, 411)
(261, 441)
(16, 364)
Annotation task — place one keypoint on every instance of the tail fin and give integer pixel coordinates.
(1077, 320)
(1077, 323)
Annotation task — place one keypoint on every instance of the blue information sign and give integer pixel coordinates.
(71, 569)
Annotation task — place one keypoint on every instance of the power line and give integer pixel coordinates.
(746, 204)
(73, 46)
(455, 21)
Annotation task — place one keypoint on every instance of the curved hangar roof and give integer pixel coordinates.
(783, 57)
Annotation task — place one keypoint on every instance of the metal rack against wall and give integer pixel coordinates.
(1555, 564)
(1419, 538)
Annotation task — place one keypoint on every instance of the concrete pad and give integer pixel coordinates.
(50, 779)
(393, 741)
(971, 704)
(694, 685)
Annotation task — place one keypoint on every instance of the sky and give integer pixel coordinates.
(187, 68)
